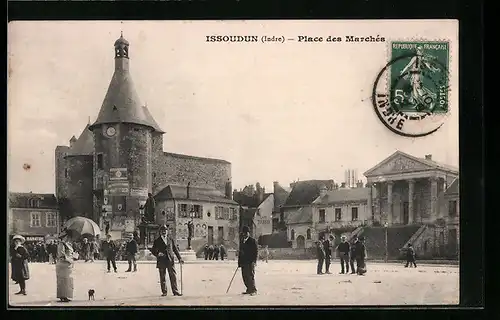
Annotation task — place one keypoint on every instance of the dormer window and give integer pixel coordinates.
(34, 203)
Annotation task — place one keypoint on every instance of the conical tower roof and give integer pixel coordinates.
(121, 103)
(84, 145)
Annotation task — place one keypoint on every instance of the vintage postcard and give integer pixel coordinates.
(218, 163)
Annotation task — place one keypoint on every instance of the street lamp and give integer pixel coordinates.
(386, 225)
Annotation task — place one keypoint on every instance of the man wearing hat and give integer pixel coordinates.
(19, 263)
(344, 249)
(360, 256)
(163, 249)
(320, 254)
(247, 260)
(352, 254)
(110, 249)
(327, 245)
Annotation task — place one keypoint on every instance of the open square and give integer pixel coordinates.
(278, 283)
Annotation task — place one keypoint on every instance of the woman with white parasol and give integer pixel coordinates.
(73, 228)
(20, 270)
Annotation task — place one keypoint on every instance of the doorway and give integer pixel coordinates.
(210, 236)
(406, 213)
(220, 235)
(301, 242)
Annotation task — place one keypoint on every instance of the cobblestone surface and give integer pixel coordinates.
(278, 282)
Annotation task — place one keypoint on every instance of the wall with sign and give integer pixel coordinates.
(80, 182)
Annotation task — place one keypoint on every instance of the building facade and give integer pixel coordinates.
(107, 173)
(32, 215)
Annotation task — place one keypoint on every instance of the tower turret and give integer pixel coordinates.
(124, 132)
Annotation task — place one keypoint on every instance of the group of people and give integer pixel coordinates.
(349, 254)
(89, 250)
(40, 251)
(213, 252)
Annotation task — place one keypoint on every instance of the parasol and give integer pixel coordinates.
(82, 226)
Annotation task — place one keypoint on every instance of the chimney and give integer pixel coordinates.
(428, 157)
(72, 141)
(322, 191)
(229, 188)
(331, 185)
(187, 190)
(359, 184)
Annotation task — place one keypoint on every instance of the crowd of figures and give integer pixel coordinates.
(213, 252)
(349, 253)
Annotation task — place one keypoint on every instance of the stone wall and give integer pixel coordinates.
(79, 185)
(170, 168)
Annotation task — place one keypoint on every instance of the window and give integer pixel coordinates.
(34, 203)
(452, 208)
(354, 213)
(232, 214)
(100, 161)
(198, 211)
(322, 217)
(35, 219)
(292, 235)
(50, 219)
(183, 210)
(338, 214)
(308, 234)
(66, 173)
(224, 213)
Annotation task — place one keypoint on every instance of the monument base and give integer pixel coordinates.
(188, 255)
(145, 255)
(231, 254)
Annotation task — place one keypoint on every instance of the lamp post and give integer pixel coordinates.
(190, 229)
(386, 243)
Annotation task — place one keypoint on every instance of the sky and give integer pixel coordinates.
(277, 111)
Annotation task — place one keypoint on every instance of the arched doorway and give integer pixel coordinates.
(301, 242)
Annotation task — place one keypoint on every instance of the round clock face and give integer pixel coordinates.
(111, 131)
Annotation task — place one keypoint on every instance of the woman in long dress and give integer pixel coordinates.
(20, 270)
(64, 268)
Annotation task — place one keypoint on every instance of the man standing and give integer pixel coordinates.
(86, 250)
(164, 249)
(344, 249)
(222, 251)
(211, 252)
(205, 251)
(247, 260)
(131, 252)
(352, 255)
(328, 244)
(360, 256)
(320, 252)
(109, 249)
(216, 252)
(410, 256)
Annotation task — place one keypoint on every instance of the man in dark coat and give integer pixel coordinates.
(216, 252)
(131, 251)
(410, 256)
(360, 256)
(222, 251)
(205, 251)
(344, 250)
(247, 260)
(19, 261)
(110, 249)
(210, 252)
(327, 245)
(352, 255)
(320, 254)
(164, 249)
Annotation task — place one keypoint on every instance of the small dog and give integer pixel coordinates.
(91, 294)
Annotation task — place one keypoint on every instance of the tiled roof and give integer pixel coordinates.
(203, 194)
(84, 145)
(301, 215)
(185, 156)
(280, 196)
(454, 187)
(122, 104)
(305, 192)
(21, 200)
(248, 201)
(344, 195)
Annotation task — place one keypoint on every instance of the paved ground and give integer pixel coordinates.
(278, 282)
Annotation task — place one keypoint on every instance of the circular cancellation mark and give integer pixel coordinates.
(410, 95)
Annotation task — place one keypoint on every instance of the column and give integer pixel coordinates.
(434, 197)
(370, 208)
(411, 191)
(389, 201)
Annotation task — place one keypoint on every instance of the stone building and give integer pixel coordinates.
(280, 196)
(256, 209)
(35, 216)
(298, 211)
(214, 214)
(107, 173)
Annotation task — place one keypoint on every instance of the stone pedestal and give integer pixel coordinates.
(231, 254)
(145, 255)
(188, 255)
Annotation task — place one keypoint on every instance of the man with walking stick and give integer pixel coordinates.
(247, 260)
(164, 249)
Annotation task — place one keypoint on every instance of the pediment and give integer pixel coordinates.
(398, 163)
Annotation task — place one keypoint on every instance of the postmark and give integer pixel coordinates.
(411, 93)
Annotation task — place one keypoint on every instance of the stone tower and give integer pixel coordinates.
(123, 138)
